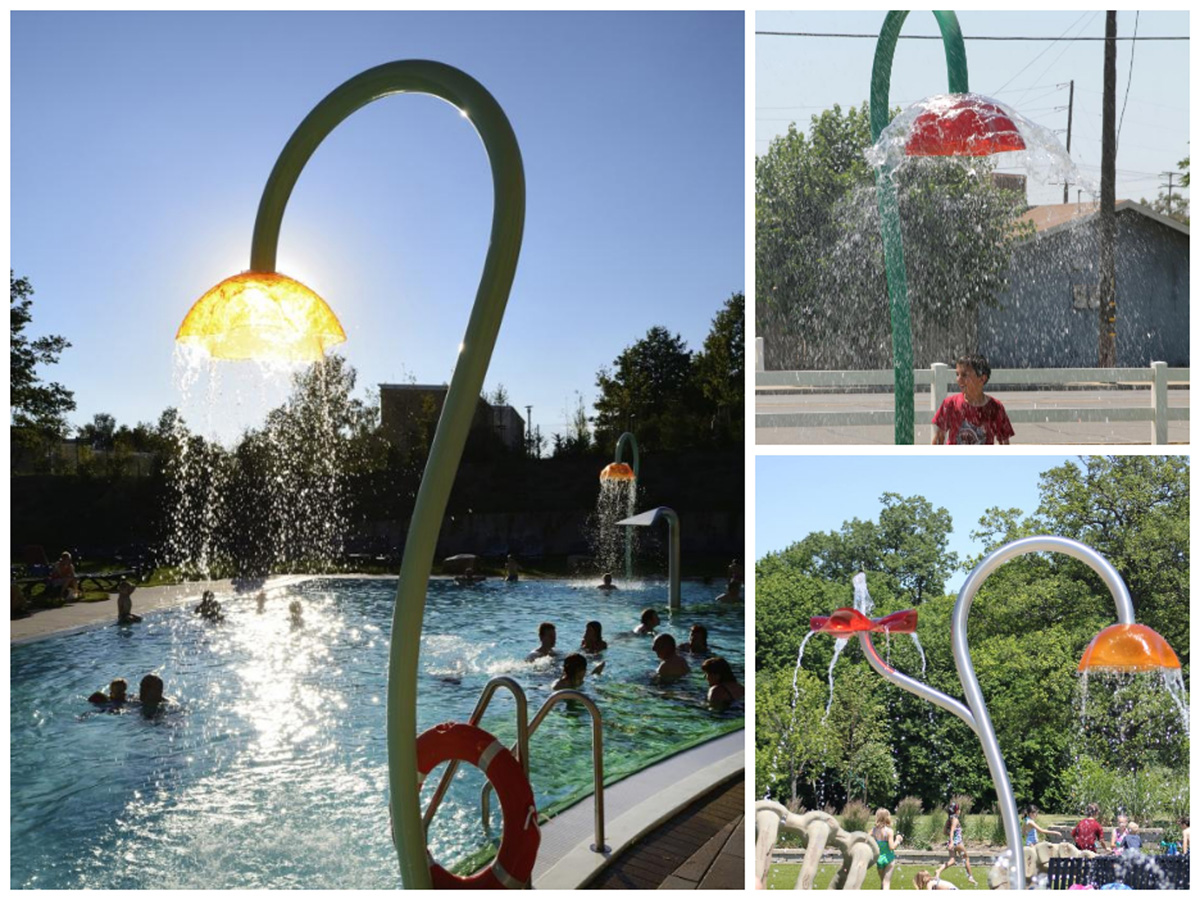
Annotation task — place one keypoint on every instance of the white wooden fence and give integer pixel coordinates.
(940, 378)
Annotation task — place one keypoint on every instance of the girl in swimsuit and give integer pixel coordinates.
(1031, 828)
(888, 841)
(955, 844)
(723, 690)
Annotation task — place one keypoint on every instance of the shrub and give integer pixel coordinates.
(965, 803)
(997, 837)
(906, 817)
(936, 835)
(856, 816)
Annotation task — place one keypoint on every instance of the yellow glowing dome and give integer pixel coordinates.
(263, 316)
(1128, 648)
(616, 472)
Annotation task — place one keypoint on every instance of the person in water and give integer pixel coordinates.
(116, 696)
(125, 614)
(150, 694)
(650, 621)
(888, 841)
(512, 570)
(971, 417)
(723, 687)
(469, 577)
(672, 666)
(732, 592)
(955, 844)
(548, 637)
(573, 671)
(593, 638)
(209, 607)
(606, 583)
(697, 642)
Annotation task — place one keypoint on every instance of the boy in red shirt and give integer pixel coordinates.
(971, 417)
(1088, 833)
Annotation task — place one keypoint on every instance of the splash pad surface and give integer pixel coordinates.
(271, 770)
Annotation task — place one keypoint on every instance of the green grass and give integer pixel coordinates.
(783, 877)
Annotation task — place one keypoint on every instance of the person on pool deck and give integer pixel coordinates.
(125, 614)
(116, 696)
(593, 638)
(697, 642)
(971, 417)
(548, 635)
(606, 583)
(62, 578)
(261, 600)
(512, 569)
(732, 592)
(672, 666)
(723, 687)
(296, 613)
(150, 695)
(650, 621)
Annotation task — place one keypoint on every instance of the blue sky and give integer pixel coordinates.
(141, 143)
(793, 79)
(797, 495)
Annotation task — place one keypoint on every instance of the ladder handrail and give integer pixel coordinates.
(521, 748)
(597, 758)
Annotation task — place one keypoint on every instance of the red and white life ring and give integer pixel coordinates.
(513, 865)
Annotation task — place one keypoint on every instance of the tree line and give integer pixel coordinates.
(1028, 628)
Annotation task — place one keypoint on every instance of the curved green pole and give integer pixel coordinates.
(889, 209)
(508, 220)
(628, 438)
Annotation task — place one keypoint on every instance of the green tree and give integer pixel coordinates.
(37, 410)
(721, 371)
(1171, 204)
(578, 439)
(100, 433)
(790, 738)
(650, 391)
(822, 292)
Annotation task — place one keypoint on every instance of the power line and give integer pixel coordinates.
(1043, 53)
(979, 37)
(1129, 78)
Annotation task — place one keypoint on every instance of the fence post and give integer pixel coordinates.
(1158, 398)
(939, 386)
(759, 363)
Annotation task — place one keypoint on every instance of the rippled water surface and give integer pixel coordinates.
(270, 767)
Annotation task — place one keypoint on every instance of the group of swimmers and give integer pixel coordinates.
(150, 696)
(724, 689)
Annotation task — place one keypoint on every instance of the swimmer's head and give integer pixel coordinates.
(607, 578)
(664, 646)
(151, 690)
(718, 670)
(574, 666)
(117, 690)
(698, 635)
(593, 631)
(650, 618)
(547, 634)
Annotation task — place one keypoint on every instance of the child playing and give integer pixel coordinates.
(955, 845)
(1133, 838)
(888, 841)
(1088, 833)
(125, 614)
(923, 881)
(971, 417)
(1119, 833)
(1031, 827)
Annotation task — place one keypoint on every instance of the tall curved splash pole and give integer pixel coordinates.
(889, 207)
(628, 438)
(499, 268)
(966, 672)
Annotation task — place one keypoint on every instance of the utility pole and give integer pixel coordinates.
(1070, 114)
(529, 431)
(1108, 196)
(1170, 188)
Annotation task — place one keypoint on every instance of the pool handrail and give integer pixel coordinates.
(521, 748)
(597, 759)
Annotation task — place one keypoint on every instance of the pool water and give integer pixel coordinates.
(269, 769)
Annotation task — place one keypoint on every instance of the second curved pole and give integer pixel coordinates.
(499, 268)
(889, 206)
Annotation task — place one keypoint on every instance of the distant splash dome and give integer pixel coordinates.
(1043, 158)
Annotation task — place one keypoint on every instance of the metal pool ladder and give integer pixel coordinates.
(525, 729)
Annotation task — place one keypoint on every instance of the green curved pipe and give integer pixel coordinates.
(628, 438)
(889, 207)
(499, 268)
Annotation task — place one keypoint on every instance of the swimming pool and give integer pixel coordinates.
(271, 769)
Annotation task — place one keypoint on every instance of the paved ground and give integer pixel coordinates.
(789, 401)
(701, 848)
